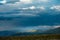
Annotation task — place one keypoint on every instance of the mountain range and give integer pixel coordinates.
(51, 31)
(38, 32)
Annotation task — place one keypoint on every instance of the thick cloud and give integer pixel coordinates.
(57, 8)
(29, 15)
(12, 1)
(15, 4)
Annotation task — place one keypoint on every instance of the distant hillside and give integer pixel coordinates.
(38, 32)
(7, 33)
(53, 31)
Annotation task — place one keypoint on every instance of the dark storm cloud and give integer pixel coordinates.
(46, 18)
(12, 1)
(12, 17)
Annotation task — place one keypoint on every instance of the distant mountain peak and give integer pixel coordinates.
(53, 31)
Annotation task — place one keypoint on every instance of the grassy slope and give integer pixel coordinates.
(33, 37)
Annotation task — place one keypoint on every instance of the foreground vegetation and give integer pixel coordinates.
(33, 37)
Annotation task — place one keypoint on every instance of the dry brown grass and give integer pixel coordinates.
(32, 37)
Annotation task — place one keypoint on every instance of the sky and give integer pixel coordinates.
(23, 15)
